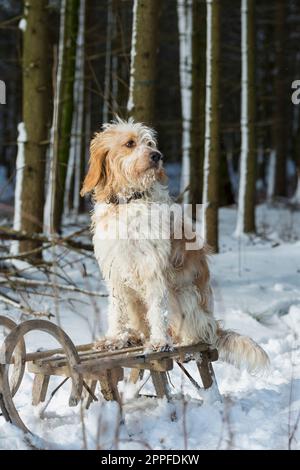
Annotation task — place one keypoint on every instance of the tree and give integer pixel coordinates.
(246, 199)
(197, 127)
(143, 60)
(296, 196)
(63, 115)
(279, 120)
(74, 172)
(185, 29)
(212, 149)
(36, 121)
(116, 61)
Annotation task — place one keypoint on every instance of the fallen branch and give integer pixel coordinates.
(24, 254)
(38, 283)
(26, 310)
(7, 233)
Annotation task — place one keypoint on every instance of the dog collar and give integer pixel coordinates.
(114, 199)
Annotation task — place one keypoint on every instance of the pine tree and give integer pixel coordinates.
(36, 119)
(246, 202)
(143, 60)
(212, 146)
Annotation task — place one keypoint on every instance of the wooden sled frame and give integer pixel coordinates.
(86, 367)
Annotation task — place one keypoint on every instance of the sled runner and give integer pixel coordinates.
(85, 367)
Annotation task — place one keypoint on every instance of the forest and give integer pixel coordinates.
(219, 81)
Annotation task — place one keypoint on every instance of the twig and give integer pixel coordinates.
(7, 233)
(37, 283)
(25, 254)
(26, 310)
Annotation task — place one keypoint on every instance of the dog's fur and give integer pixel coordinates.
(159, 291)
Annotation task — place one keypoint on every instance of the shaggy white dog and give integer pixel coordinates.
(154, 264)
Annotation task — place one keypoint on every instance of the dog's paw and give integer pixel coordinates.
(104, 344)
(125, 340)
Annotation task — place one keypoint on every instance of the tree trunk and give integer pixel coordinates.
(212, 146)
(197, 129)
(63, 124)
(36, 118)
(106, 112)
(143, 60)
(116, 61)
(280, 100)
(81, 103)
(185, 29)
(246, 202)
(73, 178)
(296, 196)
(121, 67)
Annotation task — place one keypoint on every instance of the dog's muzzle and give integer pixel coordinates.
(155, 158)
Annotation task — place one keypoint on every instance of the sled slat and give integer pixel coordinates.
(109, 384)
(39, 388)
(160, 383)
(87, 397)
(206, 371)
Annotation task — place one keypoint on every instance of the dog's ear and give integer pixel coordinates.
(96, 171)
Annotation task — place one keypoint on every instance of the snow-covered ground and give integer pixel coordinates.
(257, 292)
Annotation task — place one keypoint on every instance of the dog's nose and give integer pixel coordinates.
(156, 157)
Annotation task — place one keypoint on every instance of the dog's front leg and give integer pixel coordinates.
(116, 336)
(116, 316)
(157, 314)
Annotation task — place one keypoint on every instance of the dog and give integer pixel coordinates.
(159, 288)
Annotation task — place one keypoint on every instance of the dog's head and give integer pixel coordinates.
(123, 159)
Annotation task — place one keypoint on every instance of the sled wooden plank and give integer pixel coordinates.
(39, 388)
(87, 397)
(48, 369)
(135, 375)
(61, 360)
(95, 365)
(160, 366)
(84, 349)
(212, 355)
(61, 371)
(160, 383)
(109, 384)
(206, 371)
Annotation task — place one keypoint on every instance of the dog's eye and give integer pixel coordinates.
(150, 144)
(130, 144)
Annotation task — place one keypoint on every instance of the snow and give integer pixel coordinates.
(20, 163)
(52, 155)
(130, 104)
(23, 25)
(244, 122)
(256, 287)
(271, 175)
(2, 92)
(208, 114)
(296, 197)
(184, 8)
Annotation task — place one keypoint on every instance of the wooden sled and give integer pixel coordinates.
(85, 367)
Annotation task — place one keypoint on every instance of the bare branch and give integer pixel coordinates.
(26, 310)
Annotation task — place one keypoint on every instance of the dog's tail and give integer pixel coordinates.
(241, 351)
